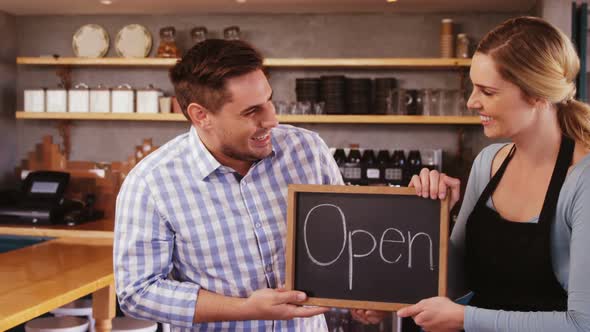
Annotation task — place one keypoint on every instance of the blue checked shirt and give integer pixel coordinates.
(184, 221)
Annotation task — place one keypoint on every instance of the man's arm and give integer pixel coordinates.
(142, 260)
(263, 304)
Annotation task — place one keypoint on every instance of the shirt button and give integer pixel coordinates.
(258, 225)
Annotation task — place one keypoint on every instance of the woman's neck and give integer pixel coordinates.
(539, 143)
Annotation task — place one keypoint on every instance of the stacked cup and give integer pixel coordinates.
(446, 38)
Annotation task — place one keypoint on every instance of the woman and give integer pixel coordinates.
(523, 232)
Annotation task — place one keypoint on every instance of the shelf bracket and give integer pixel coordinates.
(64, 128)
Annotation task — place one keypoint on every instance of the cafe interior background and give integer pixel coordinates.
(398, 43)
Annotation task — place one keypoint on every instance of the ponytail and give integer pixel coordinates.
(574, 120)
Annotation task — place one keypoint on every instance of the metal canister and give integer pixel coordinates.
(79, 99)
(100, 99)
(56, 100)
(34, 100)
(122, 99)
(147, 100)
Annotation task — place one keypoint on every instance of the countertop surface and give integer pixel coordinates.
(103, 228)
(44, 276)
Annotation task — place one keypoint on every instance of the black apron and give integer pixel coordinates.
(508, 264)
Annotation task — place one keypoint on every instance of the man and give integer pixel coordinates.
(201, 222)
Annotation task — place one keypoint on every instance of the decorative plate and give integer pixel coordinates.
(133, 41)
(91, 40)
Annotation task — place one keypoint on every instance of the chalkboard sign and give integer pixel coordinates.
(365, 247)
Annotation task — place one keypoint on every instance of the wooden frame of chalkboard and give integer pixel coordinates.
(389, 277)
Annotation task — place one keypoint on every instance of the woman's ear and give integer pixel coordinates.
(199, 115)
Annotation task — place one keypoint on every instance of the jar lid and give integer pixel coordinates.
(461, 35)
(149, 88)
(80, 86)
(101, 87)
(447, 20)
(123, 87)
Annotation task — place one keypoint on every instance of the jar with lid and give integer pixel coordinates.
(352, 166)
(231, 33)
(462, 46)
(198, 34)
(167, 48)
(446, 38)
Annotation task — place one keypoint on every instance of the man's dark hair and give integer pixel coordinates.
(200, 76)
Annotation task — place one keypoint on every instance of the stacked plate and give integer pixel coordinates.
(358, 95)
(332, 93)
(383, 86)
(307, 89)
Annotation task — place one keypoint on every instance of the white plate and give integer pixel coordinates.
(91, 40)
(133, 41)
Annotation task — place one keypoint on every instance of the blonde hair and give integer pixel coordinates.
(542, 62)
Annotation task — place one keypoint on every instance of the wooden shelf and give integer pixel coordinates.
(359, 63)
(341, 119)
(100, 116)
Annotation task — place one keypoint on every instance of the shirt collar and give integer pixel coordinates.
(206, 163)
(204, 160)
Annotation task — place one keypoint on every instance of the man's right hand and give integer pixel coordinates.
(278, 304)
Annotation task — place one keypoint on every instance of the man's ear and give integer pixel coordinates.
(199, 115)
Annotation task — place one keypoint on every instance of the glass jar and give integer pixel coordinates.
(231, 33)
(167, 48)
(462, 46)
(198, 34)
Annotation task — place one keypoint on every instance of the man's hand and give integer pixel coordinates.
(368, 316)
(437, 314)
(278, 304)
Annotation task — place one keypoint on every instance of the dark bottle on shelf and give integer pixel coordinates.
(340, 158)
(370, 169)
(352, 166)
(382, 164)
(394, 174)
(414, 164)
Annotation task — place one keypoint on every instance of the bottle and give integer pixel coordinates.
(167, 47)
(414, 164)
(394, 174)
(370, 169)
(352, 166)
(462, 50)
(382, 164)
(340, 158)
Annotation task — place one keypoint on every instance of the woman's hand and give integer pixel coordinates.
(436, 185)
(368, 316)
(436, 314)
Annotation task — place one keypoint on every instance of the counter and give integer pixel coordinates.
(47, 275)
(99, 229)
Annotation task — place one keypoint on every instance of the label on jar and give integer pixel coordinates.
(372, 173)
(352, 173)
(393, 174)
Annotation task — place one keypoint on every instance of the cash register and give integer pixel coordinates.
(41, 201)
